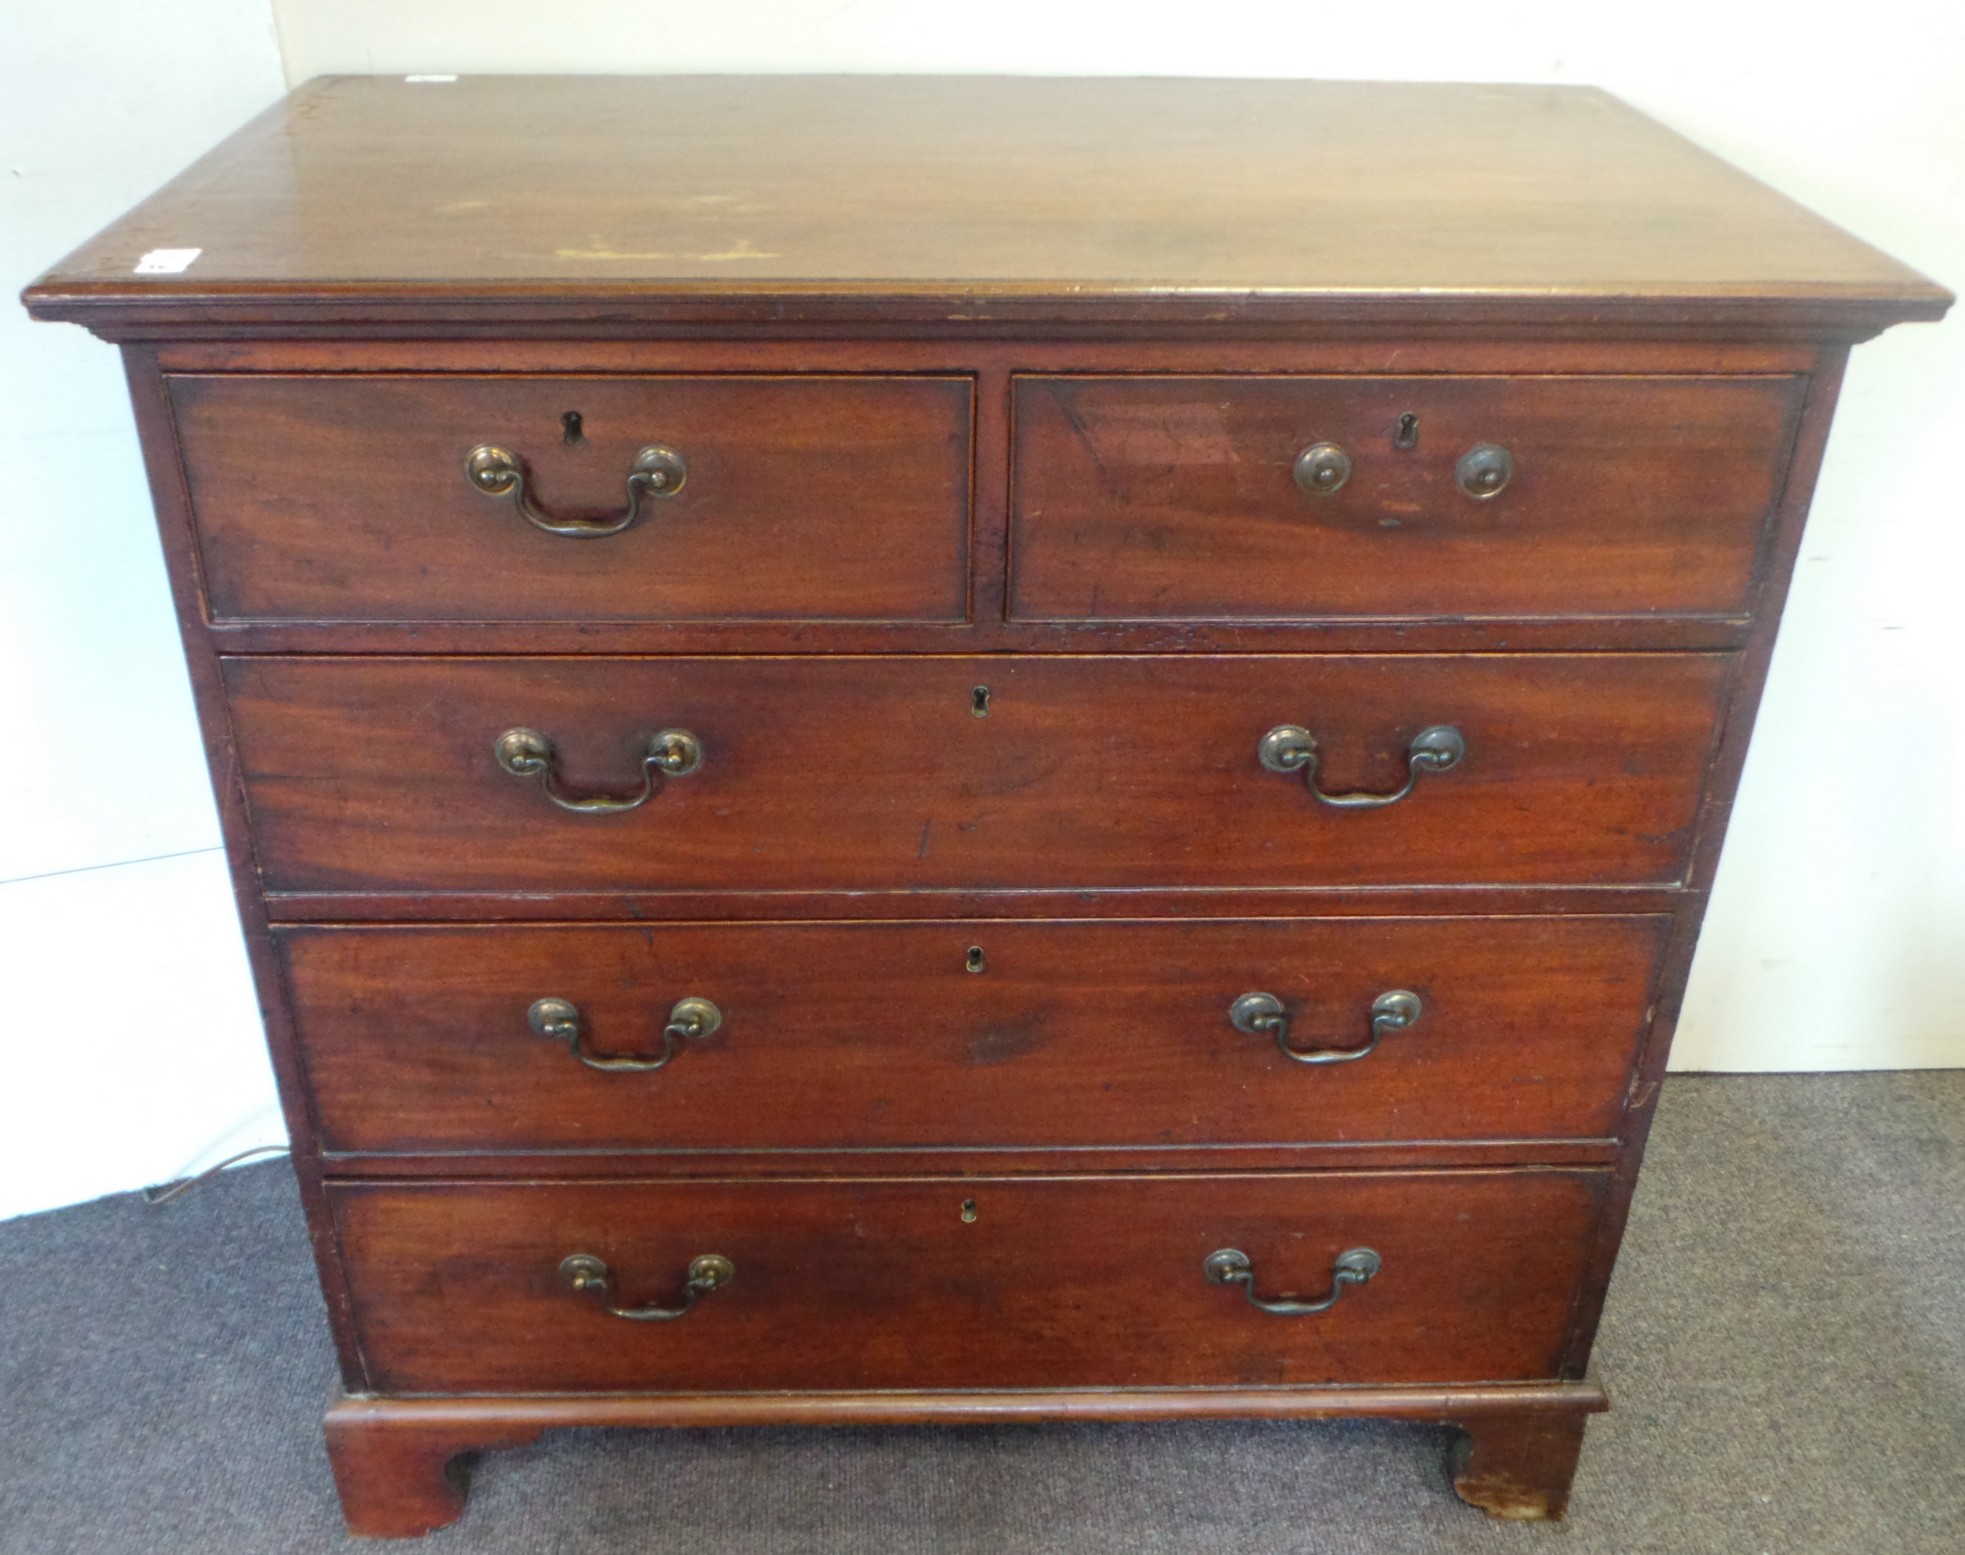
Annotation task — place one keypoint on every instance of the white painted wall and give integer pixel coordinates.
(1837, 938)
(132, 1042)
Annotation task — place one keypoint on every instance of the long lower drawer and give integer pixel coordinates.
(1460, 1276)
(849, 1036)
(1018, 772)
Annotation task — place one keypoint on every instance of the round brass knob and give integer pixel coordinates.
(1322, 468)
(1484, 470)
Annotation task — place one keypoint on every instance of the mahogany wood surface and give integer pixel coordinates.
(1453, 1403)
(675, 904)
(1090, 1281)
(1517, 1466)
(1438, 349)
(926, 199)
(984, 634)
(975, 394)
(1729, 759)
(775, 1162)
(1174, 497)
(804, 498)
(400, 1477)
(165, 475)
(876, 774)
(396, 1459)
(869, 1036)
(993, 365)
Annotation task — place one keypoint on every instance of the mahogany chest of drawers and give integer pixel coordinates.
(932, 750)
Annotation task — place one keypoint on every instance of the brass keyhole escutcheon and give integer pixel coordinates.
(969, 1212)
(975, 961)
(979, 702)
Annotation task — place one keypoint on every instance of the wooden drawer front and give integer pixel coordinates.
(1172, 498)
(803, 499)
(877, 1035)
(875, 774)
(1057, 1282)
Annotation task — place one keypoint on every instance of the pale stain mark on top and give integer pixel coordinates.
(741, 251)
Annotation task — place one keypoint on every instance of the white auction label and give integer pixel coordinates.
(429, 80)
(167, 261)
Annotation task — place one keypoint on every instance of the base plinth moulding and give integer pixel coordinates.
(396, 1460)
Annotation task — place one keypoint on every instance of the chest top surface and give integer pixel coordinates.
(953, 200)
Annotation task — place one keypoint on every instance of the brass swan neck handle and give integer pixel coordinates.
(498, 472)
(1292, 748)
(707, 1272)
(560, 1020)
(1232, 1266)
(526, 753)
(1263, 1013)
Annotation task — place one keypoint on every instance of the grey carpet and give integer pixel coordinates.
(1785, 1348)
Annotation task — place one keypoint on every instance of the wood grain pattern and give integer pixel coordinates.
(676, 904)
(1057, 1282)
(954, 350)
(1452, 1403)
(972, 198)
(400, 1477)
(1574, 634)
(1517, 1466)
(831, 287)
(874, 774)
(775, 1164)
(877, 1035)
(1143, 498)
(1748, 679)
(166, 481)
(806, 498)
(393, 1457)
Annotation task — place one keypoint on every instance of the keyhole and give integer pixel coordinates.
(979, 701)
(575, 432)
(976, 961)
(968, 1212)
(1406, 434)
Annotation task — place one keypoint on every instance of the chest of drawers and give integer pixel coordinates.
(953, 750)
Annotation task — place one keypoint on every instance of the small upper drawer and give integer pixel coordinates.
(745, 498)
(1294, 498)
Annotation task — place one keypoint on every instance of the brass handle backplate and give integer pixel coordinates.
(1263, 1014)
(559, 1020)
(1484, 470)
(1232, 1266)
(526, 753)
(1292, 748)
(708, 1272)
(1321, 469)
(498, 472)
